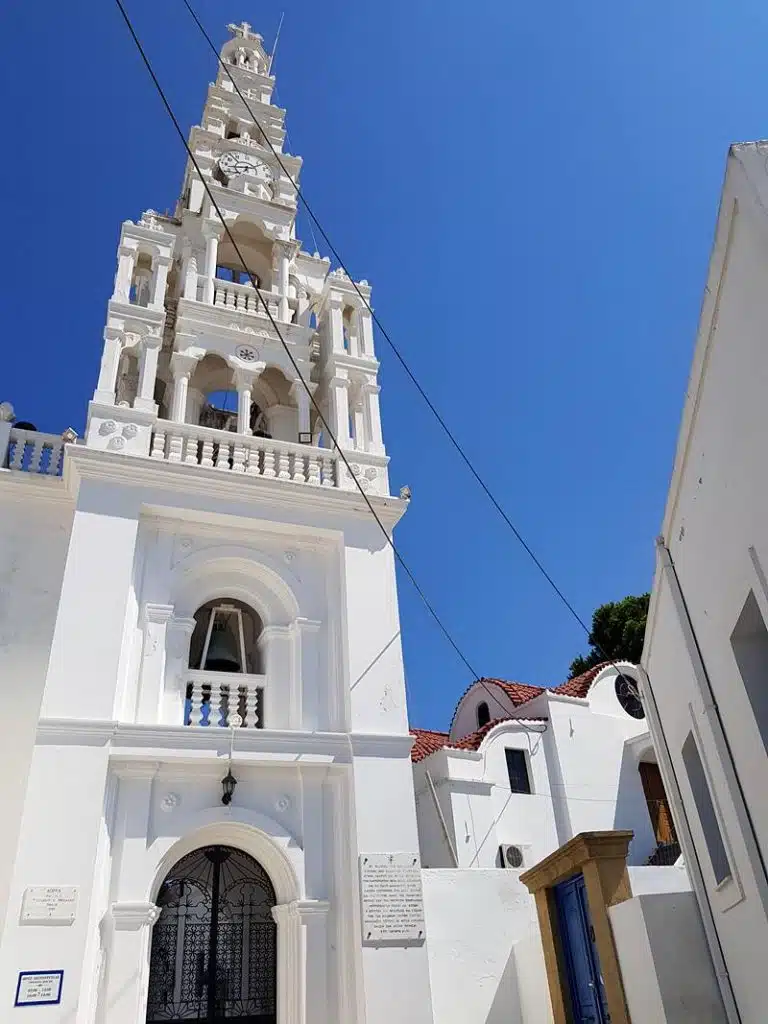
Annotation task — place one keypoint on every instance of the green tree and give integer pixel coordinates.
(617, 633)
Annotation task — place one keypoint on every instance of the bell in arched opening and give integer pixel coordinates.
(224, 648)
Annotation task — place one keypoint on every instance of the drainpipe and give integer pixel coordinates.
(438, 808)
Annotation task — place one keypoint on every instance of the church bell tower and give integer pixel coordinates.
(221, 785)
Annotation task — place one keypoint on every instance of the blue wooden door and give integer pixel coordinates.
(581, 960)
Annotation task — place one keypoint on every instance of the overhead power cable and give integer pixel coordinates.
(398, 354)
(427, 604)
(395, 349)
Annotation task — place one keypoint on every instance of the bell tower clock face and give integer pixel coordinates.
(233, 163)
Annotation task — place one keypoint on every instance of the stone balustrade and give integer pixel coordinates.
(33, 452)
(241, 453)
(246, 299)
(214, 698)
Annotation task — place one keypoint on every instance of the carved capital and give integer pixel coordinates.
(158, 613)
(133, 916)
(182, 365)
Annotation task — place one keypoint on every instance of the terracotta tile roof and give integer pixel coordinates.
(427, 741)
(579, 685)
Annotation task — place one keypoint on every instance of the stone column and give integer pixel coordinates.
(279, 660)
(152, 671)
(355, 347)
(211, 232)
(339, 419)
(366, 333)
(126, 260)
(335, 312)
(372, 414)
(284, 258)
(128, 969)
(301, 943)
(162, 265)
(182, 367)
(150, 349)
(244, 383)
(300, 395)
(110, 361)
(358, 420)
(178, 634)
(190, 273)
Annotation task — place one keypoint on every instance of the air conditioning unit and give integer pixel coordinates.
(510, 856)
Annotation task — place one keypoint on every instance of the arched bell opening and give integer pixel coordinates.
(214, 946)
(245, 255)
(225, 686)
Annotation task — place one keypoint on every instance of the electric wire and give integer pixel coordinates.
(395, 349)
(427, 604)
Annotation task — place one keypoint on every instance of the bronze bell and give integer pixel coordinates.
(222, 652)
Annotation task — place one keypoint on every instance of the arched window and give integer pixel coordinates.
(214, 946)
(140, 293)
(483, 714)
(225, 638)
(224, 645)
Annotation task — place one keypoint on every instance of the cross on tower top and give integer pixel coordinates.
(242, 31)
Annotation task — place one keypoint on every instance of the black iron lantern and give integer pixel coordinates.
(228, 784)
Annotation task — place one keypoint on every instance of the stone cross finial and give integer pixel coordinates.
(242, 31)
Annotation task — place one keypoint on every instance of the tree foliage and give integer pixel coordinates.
(617, 633)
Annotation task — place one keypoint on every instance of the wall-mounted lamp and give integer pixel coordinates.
(228, 784)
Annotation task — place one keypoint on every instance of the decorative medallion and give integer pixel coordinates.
(170, 802)
(282, 803)
(247, 353)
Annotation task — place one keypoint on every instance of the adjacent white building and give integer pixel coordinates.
(706, 649)
(522, 772)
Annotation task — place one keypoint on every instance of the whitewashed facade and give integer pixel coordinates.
(185, 535)
(523, 770)
(194, 598)
(706, 649)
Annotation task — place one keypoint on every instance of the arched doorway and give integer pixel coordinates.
(214, 946)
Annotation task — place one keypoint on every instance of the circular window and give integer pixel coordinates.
(627, 696)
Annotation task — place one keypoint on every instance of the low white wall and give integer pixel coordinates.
(485, 959)
(665, 965)
(650, 878)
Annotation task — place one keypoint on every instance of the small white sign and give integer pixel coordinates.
(391, 898)
(39, 988)
(49, 904)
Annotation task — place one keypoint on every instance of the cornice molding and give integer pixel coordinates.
(83, 463)
(167, 743)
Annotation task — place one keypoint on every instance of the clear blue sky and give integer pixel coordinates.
(530, 188)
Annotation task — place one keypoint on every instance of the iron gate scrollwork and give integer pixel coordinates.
(214, 946)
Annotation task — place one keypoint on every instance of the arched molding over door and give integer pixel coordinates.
(258, 835)
(301, 923)
(214, 943)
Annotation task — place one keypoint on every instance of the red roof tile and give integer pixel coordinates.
(427, 742)
(579, 685)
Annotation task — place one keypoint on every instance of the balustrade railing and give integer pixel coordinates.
(244, 297)
(241, 453)
(214, 698)
(33, 452)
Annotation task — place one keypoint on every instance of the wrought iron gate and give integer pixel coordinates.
(214, 946)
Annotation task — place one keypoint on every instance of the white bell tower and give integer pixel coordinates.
(223, 733)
